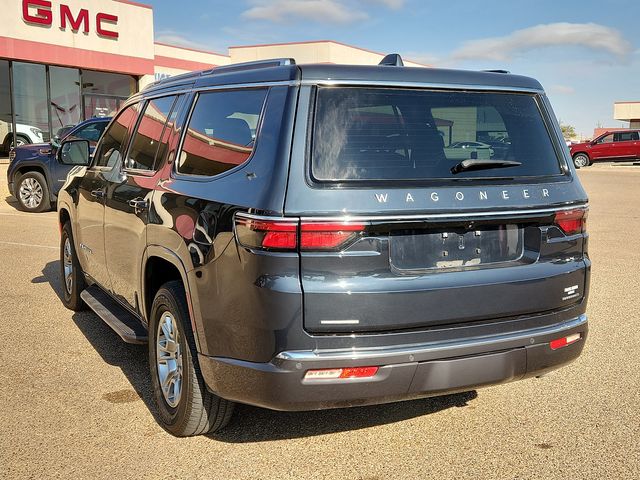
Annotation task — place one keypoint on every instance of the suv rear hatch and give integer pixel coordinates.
(428, 208)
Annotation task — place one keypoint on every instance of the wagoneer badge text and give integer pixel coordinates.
(461, 196)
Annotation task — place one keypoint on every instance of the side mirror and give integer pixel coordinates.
(74, 152)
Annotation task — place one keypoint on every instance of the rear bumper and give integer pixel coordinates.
(409, 371)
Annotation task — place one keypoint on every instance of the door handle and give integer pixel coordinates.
(97, 193)
(138, 204)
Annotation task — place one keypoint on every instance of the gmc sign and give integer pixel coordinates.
(40, 12)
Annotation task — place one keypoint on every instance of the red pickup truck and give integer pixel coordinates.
(621, 146)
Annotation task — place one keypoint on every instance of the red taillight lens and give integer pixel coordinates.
(564, 341)
(572, 221)
(341, 373)
(282, 234)
(327, 236)
(267, 234)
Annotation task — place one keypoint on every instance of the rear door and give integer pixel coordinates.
(624, 144)
(128, 197)
(395, 234)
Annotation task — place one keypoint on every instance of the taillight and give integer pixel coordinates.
(327, 236)
(266, 233)
(572, 221)
(277, 234)
(340, 373)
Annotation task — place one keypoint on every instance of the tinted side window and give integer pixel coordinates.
(626, 136)
(146, 139)
(607, 139)
(221, 131)
(114, 140)
(91, 132)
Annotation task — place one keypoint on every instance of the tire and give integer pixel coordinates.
(73, 281)
(186, 408)
(20, 140)
(32, 193)
(581, 160)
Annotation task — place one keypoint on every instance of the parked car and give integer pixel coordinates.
(615, 146)
(36, 174)
(294, 237)
(466, 150)
(25, 134)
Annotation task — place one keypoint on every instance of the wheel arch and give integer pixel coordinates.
(573, 155)
(34, 167)
(161, 265)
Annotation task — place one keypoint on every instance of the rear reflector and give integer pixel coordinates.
(340, 373)
(572, 221)
(564, 341)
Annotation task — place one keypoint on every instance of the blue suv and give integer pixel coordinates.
(35, 174)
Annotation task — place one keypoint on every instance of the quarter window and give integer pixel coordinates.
(114, 140)
(221, 132)
(147, 139)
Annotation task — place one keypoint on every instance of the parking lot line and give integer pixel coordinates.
(27, 245)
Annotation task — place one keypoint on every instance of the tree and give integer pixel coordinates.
(568, 131)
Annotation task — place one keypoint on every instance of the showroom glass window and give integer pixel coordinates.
(6, 128)
(104, 93)
(66, 107)
(31, 108)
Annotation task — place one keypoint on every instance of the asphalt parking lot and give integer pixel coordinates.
(75, 400)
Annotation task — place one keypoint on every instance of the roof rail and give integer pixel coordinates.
(173, 78)
(392, 60)
(236, 67)
(496, 71)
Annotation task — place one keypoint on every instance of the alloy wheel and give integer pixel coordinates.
(31, 193)
(169, 359)
(67, 261)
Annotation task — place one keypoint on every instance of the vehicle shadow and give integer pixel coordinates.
(12, 202)
(249, 424)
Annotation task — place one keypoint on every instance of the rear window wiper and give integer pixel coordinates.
(473, 164)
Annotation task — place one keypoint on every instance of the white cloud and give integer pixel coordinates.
(324, 11)
(588, 35)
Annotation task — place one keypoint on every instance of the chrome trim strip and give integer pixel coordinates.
(499, 213)
(436, 86)
(355, 218)
(384, 352)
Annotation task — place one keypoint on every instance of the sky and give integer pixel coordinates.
(586, 54)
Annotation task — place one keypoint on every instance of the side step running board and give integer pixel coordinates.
(121, 321)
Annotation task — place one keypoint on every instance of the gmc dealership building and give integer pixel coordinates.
(65, 61)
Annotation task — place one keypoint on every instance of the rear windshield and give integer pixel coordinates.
(368, 134)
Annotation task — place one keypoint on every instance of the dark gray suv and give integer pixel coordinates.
(313, 236)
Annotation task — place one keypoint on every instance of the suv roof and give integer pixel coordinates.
(285, 69)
